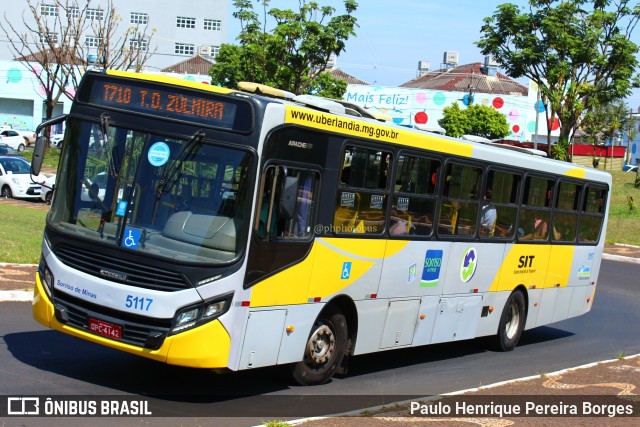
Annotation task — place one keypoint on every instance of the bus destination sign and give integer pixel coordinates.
(159, 101)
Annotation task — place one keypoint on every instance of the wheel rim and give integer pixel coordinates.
(322, 344)
(513, 320)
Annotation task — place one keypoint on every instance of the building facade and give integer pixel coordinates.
(180, 31)
(421, 101)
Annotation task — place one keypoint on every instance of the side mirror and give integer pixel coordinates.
(42, 142)
(288, 197)
(38, 155)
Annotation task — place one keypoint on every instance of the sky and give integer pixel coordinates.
(393, 36)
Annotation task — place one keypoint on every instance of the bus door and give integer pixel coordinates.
(278, 269)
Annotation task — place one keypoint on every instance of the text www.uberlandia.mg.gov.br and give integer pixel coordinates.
(351, 125)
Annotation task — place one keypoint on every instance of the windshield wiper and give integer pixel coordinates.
(105, 120)
(169, 174)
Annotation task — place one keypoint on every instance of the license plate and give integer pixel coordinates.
(105, 329)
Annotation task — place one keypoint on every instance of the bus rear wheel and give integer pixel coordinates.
(512, 322)
(324, 350)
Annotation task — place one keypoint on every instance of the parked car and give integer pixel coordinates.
(56, 140)
(15, 178)
(13, 139)
(630, 168)
(5, 150)
(46, 192)
(28, 136)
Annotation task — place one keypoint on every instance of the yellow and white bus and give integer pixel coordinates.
(213, 228)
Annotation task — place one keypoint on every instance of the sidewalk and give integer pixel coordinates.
(602, 394)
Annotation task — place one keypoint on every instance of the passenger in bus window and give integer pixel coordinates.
(400, 222)
(489, 215)
(538, 230)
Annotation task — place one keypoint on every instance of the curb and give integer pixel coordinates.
(16, 296)
(358, 413)
(621, 258)
(13, 264)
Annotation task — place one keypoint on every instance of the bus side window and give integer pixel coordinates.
(591, 215)
(361, 199)
(565, 217)
(459, 209)
(413, 205)
(499, 211)
(533, 222)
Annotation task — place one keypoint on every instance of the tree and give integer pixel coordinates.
(480, 120)
(293, 54)
(327, 86)
(454, 120)
(604, 123)
(579, 52)
(50, 44)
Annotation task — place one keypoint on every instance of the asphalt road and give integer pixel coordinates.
(36, 361)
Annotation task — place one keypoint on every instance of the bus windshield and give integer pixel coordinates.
(179, 198)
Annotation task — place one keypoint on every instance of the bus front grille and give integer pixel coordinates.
(142, 332)
(120, 270)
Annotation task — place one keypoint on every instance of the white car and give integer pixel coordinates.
(13, 139)
(56, 140)
(15, 178)
(46, 192)
(28, 136)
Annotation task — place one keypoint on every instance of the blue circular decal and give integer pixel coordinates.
(158, 154)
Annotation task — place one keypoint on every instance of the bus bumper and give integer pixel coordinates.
(207, 346)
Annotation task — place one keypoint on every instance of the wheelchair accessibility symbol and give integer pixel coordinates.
(131, 238)
(346, 271)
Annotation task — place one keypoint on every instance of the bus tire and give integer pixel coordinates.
(324, 350)
(512, 322)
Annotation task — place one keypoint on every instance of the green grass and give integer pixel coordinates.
(51, 158)
(21, 228)
(624, 223)
(21, 234)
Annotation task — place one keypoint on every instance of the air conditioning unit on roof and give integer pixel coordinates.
(450, 58)
(204, 50)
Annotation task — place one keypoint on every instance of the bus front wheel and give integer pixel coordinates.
(512, 322)
(325, 349)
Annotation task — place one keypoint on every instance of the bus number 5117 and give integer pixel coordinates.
(138, 303)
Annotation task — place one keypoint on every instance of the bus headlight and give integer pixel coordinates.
(214, 309)
(187, 316)
(45, 275)
(192, 316)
